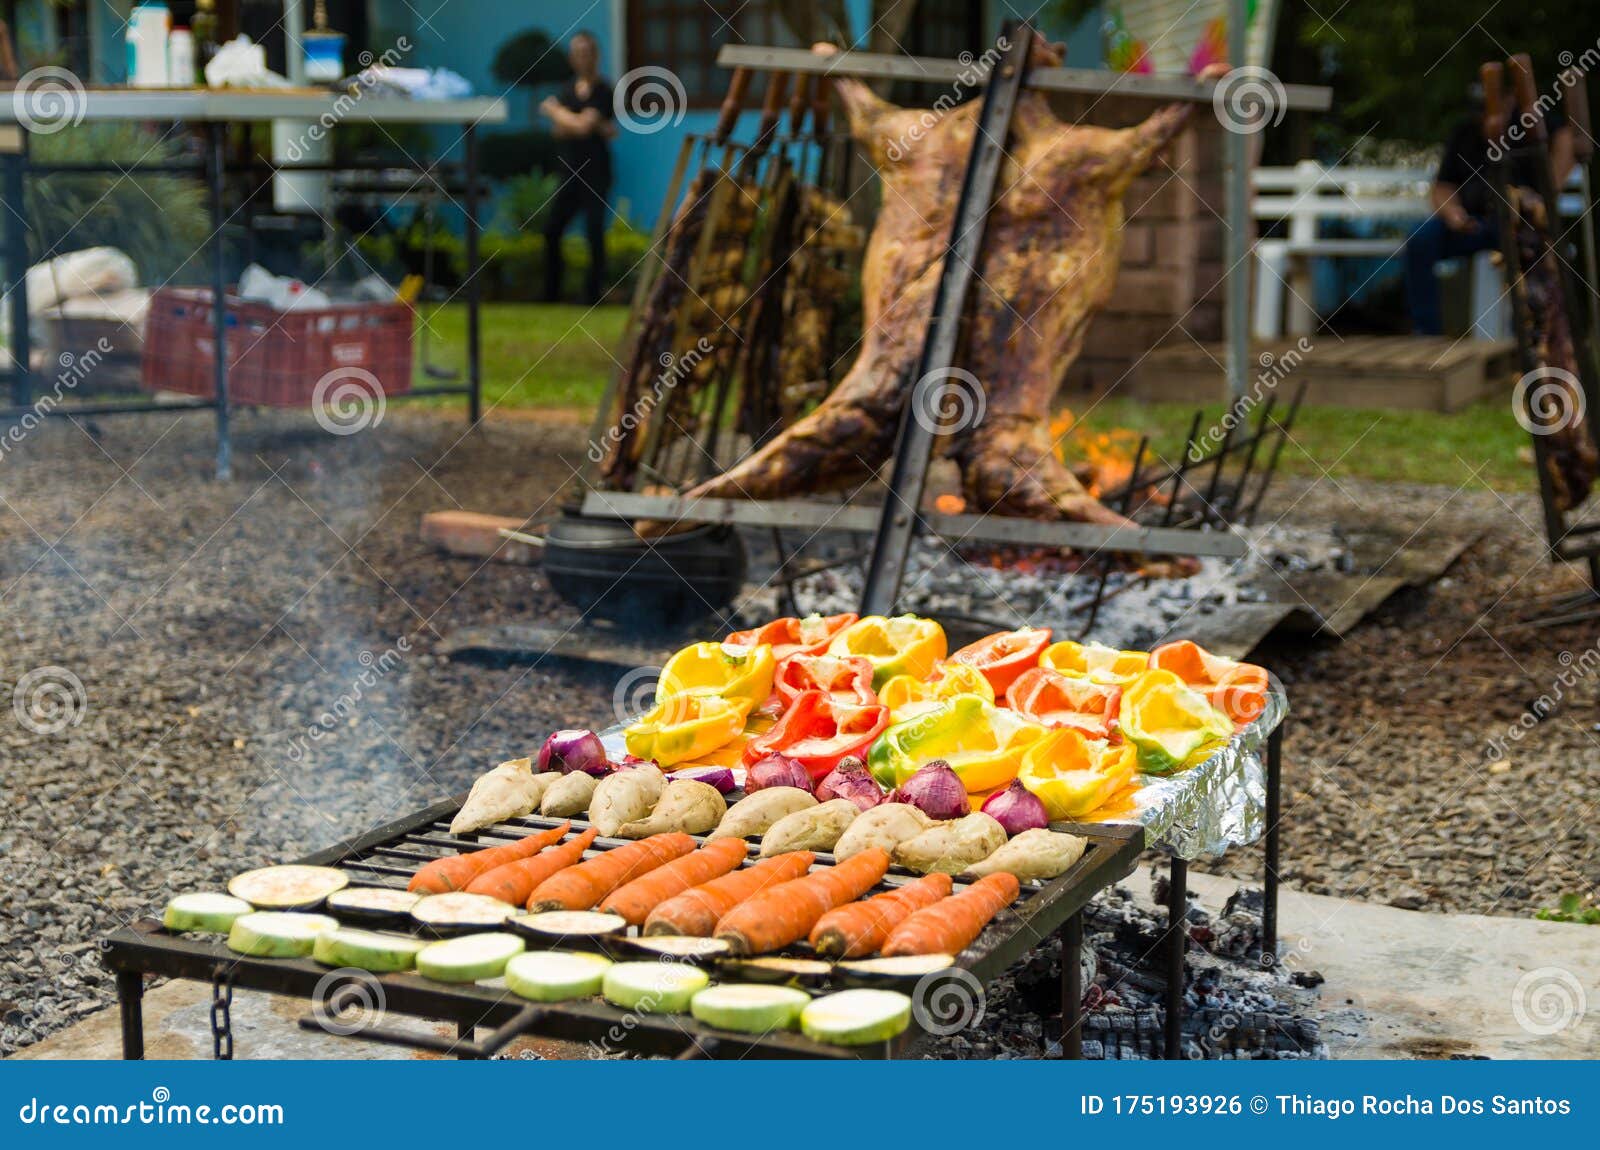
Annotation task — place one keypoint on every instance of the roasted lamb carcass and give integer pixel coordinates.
(1049, 261)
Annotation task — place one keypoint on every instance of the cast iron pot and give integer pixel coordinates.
(601, 567)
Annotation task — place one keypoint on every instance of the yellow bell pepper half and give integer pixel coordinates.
(981, 742)
(1172, 725)
(906, 696)
(1095, 661)
(724, 669)
(686, 727)
(1074, 776)
(903, 645)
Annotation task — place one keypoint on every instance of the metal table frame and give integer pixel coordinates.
(215, 113)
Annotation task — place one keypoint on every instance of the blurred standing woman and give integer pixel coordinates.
(582, 120)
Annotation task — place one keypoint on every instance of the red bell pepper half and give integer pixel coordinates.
(791, 636)
(1059, 700)
(844, 676)
(1005, 655)
(819, 730)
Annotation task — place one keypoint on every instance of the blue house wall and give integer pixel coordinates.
(464, 35)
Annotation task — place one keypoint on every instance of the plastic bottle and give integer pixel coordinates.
(148, 28)
(180, 58)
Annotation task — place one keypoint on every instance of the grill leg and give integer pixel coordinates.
(466, 1032)
(1177, 940)
(1072, 987)
(130, 1003)
(1269, 907)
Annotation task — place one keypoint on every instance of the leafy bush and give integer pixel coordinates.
(162, 222)
(513, 262)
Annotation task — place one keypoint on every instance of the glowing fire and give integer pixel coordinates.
(1103, 460)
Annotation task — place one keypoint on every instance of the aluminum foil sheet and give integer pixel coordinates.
(1201, 811)
(1219, 804)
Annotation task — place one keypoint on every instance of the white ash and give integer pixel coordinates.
(1134, 612)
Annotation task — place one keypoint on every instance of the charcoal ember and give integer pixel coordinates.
(1310, 979)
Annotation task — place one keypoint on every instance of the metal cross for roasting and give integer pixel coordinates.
(901, 518)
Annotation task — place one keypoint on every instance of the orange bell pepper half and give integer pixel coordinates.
(1005, 655)
(791, 636)
(1238, 690)
(1058, 700)
(819, 730)
(843, 676)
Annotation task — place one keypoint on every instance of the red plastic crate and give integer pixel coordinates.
(275, 358)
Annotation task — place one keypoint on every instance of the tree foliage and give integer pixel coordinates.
(1401, 70)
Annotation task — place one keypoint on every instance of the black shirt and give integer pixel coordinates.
(589, 156)
(1466, 161)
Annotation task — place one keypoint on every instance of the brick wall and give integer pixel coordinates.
(1169, 287)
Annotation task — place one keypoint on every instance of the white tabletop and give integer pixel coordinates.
(244, 104)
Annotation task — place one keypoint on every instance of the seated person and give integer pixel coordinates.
(1464, 217)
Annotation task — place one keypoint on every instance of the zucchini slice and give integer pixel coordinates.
(556, 975)
(653, 987)
(372, 903)
(580, 928)
(683, 947)
(856, 1017)
(899, 969)
(290, 887)
(278, 934)
(460, 911)
(749, 1009)
(469, 958)
(206, 911)
(780, 971)
(367, 950)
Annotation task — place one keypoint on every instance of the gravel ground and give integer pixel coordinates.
(210, 676)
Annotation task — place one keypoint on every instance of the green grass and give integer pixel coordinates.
(537, 356)
(534, 355)
(1482, 446)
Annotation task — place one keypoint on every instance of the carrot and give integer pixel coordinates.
(695, 912)
(787, 912)
(456, 872)
(636, 900)
(580, 887)
(950, 925)
(515, 881)
(858, 929)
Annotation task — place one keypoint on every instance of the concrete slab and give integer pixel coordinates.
(1408, 984)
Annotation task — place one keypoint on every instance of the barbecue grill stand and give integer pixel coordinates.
(390, 854)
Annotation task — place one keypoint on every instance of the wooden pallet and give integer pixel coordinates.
(1420, 373)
